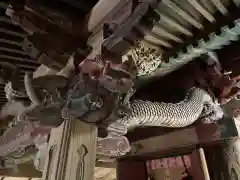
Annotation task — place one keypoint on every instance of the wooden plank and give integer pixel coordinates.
(190, 136)
(10, 42)
(183, 137)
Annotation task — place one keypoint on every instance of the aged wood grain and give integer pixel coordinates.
(183, 137)
(74, 159)
(82, 135)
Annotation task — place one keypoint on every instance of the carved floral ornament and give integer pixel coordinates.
(146, 57)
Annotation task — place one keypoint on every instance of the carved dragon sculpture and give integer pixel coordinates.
(197, 104)
(107, 83)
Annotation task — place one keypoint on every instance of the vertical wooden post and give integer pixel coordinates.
(72, 152)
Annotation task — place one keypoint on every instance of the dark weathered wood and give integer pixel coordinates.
(186, 138)
(12, 33)
(10, 37)
(8, 43)
(131, 170)
(18, 58)
(223, 129)
(7, 24)
(199, 169)
(5, 50)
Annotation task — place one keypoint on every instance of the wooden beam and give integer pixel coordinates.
(5, 20)
(11, 37)
(19, 59)
(158, 29)
(27, 67)
(9, 25)
(13, 51)
(165, 19)
(219, 5)
(11, 46)
(10, 42)
(185, 15)
(202, 10)
(9, 32)
(153, 37)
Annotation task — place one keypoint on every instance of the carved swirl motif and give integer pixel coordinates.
(82, 152)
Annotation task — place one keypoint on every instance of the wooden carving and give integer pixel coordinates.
(82, 152)
(74, 157)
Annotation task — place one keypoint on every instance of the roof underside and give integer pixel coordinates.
(11, 37)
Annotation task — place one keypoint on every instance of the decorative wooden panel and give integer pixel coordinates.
(72, 149)
(82, 152)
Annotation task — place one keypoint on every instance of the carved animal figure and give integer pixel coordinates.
(182, 114)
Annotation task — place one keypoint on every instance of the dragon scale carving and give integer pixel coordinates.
(184, 113)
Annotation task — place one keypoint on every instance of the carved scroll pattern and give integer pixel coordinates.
(82, 152)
